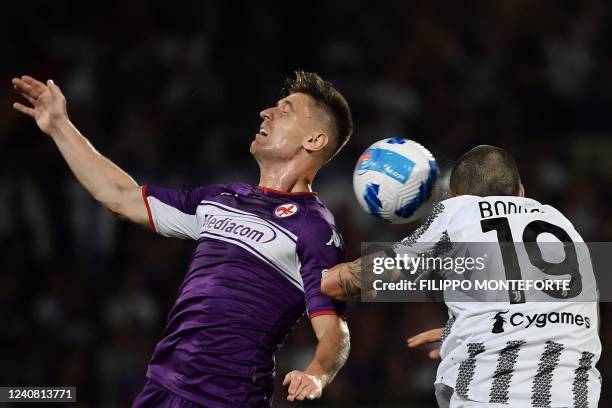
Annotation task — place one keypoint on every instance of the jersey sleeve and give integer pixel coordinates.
(172, 213)
(320, 247)
(430, 238)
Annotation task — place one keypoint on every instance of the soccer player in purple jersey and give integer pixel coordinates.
(260, 251)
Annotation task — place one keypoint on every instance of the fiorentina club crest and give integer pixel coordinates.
(285, 210)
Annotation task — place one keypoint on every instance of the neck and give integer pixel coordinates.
(290, 177)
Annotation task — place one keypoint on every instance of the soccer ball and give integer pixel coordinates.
(394, 178)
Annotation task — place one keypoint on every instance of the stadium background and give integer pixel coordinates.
(172, 92)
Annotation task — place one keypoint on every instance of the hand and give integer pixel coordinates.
(48, 103)
(427, 337)
(302, 385)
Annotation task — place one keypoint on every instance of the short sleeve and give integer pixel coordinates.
(172, 213)
(432, 235)
(320, 247)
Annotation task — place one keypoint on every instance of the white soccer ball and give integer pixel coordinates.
(394, 178)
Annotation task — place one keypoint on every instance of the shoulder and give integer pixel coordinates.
(463, 208)
(557, 217)
(440, 217)
(189, 199)
(440, 211)
(317, 213)
(213, 190)
(318, 223)
(456, 204)
(433, 218)
(221, 187)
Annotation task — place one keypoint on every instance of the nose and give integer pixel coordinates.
(266, 114)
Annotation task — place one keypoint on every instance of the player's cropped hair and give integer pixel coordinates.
(485, 171)
(329, 99)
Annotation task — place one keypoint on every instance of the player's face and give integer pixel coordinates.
(285, 128)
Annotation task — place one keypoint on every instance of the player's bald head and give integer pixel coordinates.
(485, 171)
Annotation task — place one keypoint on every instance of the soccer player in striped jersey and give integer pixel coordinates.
(259, 256)
(517, 352)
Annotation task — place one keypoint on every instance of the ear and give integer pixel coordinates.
(316, 141)
(521, 192)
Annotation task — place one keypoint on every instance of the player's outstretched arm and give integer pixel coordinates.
(427, 337)
(106, 182)
(331, 354)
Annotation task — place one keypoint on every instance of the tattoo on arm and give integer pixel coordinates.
(351, 284)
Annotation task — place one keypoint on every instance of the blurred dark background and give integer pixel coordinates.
(171, 91)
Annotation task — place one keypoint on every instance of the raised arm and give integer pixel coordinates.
(106, 182)
(331, 354)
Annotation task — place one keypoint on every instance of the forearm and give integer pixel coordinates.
(331, 353)
(102, 178)
(343, 281)
(106, 182)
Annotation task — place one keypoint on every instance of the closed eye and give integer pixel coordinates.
(286, 106)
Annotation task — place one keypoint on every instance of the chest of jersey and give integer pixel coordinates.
(265, 228)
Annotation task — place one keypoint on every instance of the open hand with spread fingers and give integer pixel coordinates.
(48, 105)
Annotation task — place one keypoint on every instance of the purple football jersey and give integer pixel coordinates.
(256, 268)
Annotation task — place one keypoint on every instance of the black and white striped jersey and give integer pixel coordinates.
(517, 351)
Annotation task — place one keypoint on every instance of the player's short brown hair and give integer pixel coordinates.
(485, 171)
(328, 98)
